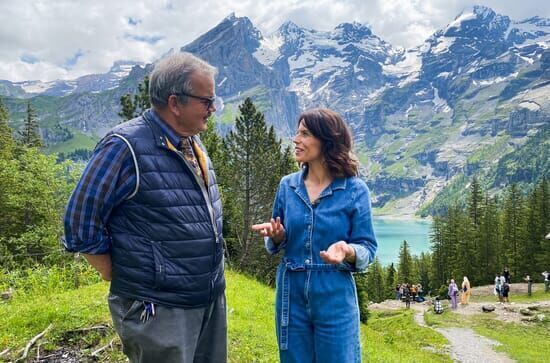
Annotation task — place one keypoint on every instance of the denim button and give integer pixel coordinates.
(307, 245)
(307, 261)
(309, 227)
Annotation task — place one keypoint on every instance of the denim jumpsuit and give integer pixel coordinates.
(317, 314)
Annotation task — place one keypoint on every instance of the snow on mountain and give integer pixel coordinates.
(35, 86)
(407, 68)
(269, 50)
(93, 83)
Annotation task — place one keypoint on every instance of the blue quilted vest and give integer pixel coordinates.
(167, 246)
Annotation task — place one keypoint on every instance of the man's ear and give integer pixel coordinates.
(173, 105)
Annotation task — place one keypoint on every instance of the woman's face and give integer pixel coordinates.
(307, 148)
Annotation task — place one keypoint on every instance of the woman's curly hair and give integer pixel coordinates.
(336, 141)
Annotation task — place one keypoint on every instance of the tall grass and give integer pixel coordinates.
(43, 280)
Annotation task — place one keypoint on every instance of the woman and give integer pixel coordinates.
(322, 219)
(453, 294)
(498, 289)
(465, 297)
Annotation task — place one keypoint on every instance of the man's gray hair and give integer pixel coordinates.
(172, 75)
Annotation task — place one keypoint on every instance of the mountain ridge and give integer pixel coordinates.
(419, 115)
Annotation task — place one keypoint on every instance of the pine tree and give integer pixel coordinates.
(423, 267)
(490, 259)
(128, 109)
(362, 296)
(475, 199)
(439, 269)
(532, 245)
(543, 255)
(250, 149)
(375, 282)
(475, 205)
(6, 136)
(458, 246)
(30, 133)
(391, 281)
(404, 268)
(514, 232)
(134, 105)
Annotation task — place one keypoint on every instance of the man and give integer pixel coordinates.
(147, 215)
(546, 275)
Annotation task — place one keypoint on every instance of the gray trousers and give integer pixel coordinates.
(173, 335)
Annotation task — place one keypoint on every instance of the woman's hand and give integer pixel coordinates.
(338, 252)
(273, 229)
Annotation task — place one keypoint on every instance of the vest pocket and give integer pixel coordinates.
(160, 268)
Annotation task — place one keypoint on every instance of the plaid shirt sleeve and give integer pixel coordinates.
(108, 179)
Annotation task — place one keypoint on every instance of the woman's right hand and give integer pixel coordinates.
(273, 229)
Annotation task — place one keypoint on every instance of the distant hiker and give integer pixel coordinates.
(322, 220)
(506, 274)
(498, 287)
(419, 293)
(453, 294)
(466, 291)
(407, 296)
(147, 215)
(438, 308)
(398, 291)
(505, 292)
(527, 279)
(546, 275)
(413, 292)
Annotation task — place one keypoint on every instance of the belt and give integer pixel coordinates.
(290, 265)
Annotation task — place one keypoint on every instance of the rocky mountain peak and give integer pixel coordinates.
(290, 31)
(231, 30)
(478, 21)
(353, 31)
(123, 66)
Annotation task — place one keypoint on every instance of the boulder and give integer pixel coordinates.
(526, 312)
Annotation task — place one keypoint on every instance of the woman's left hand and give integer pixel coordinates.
(338, 252)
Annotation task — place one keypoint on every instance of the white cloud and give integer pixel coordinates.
(47, 34)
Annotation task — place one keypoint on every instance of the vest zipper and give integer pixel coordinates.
(208, 201)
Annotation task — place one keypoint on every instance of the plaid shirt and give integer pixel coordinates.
(108, 179)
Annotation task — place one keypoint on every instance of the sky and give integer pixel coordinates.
(64, 39)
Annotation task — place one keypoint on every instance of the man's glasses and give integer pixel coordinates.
(206, 101)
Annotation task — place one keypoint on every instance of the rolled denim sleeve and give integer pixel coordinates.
(273, 248)
(108, 179)
(362, 238)
(278, 211)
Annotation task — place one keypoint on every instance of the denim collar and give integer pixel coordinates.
(297, 183)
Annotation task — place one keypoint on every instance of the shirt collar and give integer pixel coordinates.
(171, 135)
(337, 183)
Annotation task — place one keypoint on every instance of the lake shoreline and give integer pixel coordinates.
(404, 217)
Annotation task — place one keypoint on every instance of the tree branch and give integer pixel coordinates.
(31, 343)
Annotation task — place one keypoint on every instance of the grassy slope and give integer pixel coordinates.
(79, 141)
(388, 337)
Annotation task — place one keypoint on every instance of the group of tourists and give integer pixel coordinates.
(502, 286)
(409, 293)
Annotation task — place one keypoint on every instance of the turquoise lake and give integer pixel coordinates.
(390, 234)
